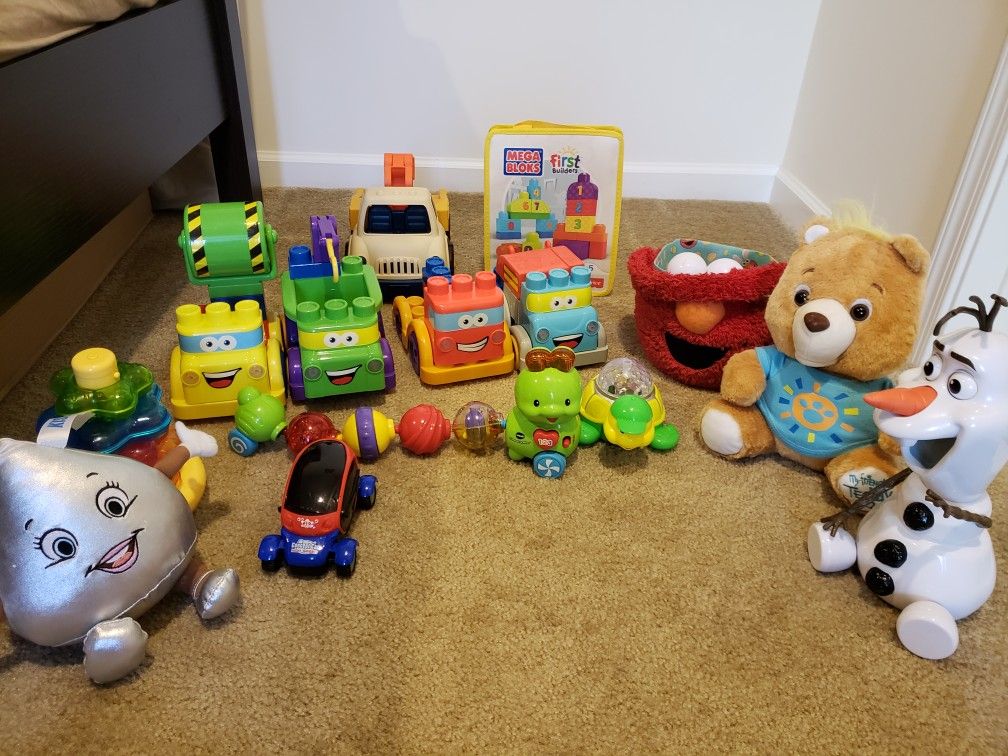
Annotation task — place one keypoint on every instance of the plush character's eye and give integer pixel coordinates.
(801, 294)
(567, 402)
(112, 501)
(535, 402)
(57, 545)
(962, 385)
(861, 309)
(932, 367)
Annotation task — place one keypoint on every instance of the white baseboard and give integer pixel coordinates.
(326, 170)
(333, 170)
(794, 202)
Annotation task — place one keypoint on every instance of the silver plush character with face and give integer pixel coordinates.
(91, 541)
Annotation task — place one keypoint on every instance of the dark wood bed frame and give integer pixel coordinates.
(88, 123)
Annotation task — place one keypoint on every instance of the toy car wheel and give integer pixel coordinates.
(241, 444)
(367, 502)
(273, 564)
(549, 464)
(347, 570)
(413, 349)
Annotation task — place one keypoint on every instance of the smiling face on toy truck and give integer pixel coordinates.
(340, 349)
(466, 318)
(220, 352)
(559, 309)
(546, 416)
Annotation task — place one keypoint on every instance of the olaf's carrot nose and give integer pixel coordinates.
(902, 401)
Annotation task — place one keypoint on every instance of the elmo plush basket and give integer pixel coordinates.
(690, 324)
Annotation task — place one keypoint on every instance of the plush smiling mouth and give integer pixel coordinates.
(929, 453)
(222, 379)
(693, 356)
(119, 558)
(342, 377)
(475, 346)
(570, 341)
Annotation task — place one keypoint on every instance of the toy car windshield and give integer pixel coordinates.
(397, 219)
(314, 487)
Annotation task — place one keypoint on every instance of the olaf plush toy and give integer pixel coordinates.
(924, 544)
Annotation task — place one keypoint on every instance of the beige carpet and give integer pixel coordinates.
(645, 602)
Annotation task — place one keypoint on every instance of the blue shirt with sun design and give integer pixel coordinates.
(813, 412)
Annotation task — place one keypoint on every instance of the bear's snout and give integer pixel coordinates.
(816, 321)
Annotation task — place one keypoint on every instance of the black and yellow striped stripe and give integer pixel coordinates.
(196, 241)
(256, 257)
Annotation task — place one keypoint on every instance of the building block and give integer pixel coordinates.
(356, 199)
(546, 226)
(435, 266)
(314, 262)
(512, 268)
(507, 227)
(400, 169)
(591, 245)
(527, 207)
(581, 207)
(583, 188)
(440, 200)
(579, 224)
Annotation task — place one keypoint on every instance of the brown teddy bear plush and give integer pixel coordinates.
(843, 318)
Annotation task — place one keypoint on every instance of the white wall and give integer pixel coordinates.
(705, 92)
(891, 94)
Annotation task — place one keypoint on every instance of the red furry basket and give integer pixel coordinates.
(697, 355)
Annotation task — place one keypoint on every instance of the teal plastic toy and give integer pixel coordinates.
(545, 424)
(258, 419)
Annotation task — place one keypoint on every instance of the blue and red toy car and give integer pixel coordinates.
(324, 489)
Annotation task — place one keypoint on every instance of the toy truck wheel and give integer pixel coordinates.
(522, 344)
(413, 349)
(241, 444)
(390, 379)
(295, 379)
(549, 464)
(402, 314)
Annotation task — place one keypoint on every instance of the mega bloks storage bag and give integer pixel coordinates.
(549, 183)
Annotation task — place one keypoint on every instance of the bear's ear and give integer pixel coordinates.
(815, 231)
(913, 254)
(815, 228)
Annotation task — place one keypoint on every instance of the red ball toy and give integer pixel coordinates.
(307, 428)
